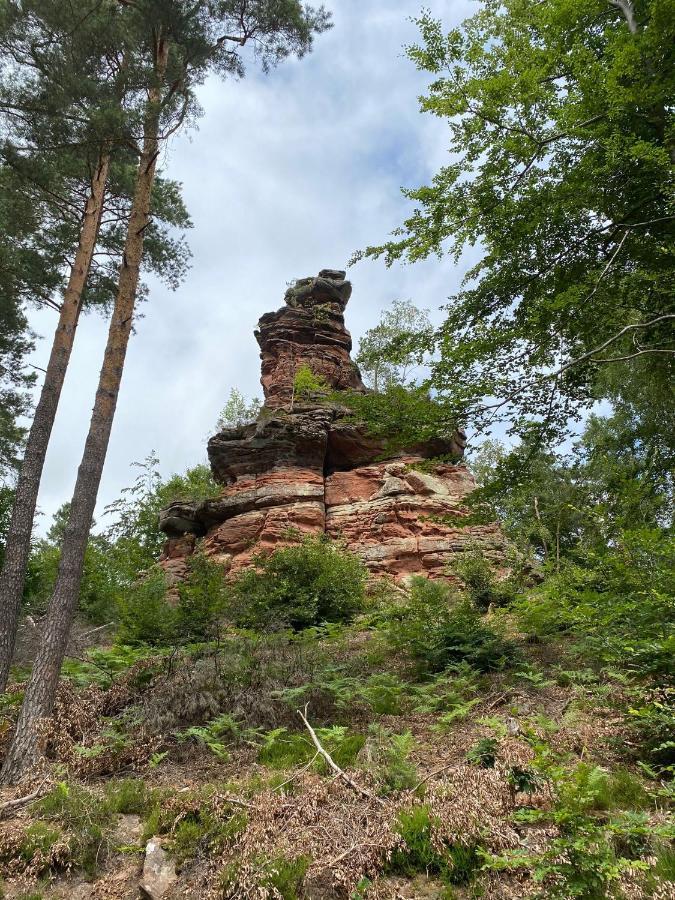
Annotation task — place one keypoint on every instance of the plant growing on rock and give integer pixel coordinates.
(238, 411)
(306, 384)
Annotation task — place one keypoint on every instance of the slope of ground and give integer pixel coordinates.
(516, 778)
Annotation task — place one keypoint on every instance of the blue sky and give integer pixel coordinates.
(285, 174)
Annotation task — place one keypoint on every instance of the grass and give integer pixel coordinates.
(454, 864)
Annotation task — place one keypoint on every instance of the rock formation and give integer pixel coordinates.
(306, 467)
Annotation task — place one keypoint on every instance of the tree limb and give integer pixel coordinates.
(625, 7)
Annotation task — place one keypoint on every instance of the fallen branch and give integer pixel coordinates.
(496, 702)
(334, 766)
(21, 801)
(236, 802)
(430, 776)
(349, 850)
(297, 774)
(87, 634)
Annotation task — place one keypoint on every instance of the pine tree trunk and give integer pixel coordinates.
(19, 535)
(27, 743)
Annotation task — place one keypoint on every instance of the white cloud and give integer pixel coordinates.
(287, 174)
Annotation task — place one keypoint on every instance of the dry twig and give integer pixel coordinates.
(21, 801)
(334, 766)
(430, 776)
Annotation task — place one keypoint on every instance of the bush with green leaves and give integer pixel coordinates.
(283, 749)
(439, 628)
(100, 585)
(134, 535)
(86, 820)
(204, 831)
(214, 735)
(238, 411)
(147, 617)
(404, 416)
(480, 582)
(307, 385)
(278, 877)
(386, 755)
(202, 597)
(483, 753)
(306, 584)
(603, 831)
(615, 603)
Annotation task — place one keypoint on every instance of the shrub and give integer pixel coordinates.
(387, 757)
(306, 384)
(483, 753)
(39, 838)
(418, 853)
(482, 586)
(85, 817)
(439, 629)
(283, 749)
(146, 616)
(615, 602)
(129, 796)
(201, 599)
(213, 734)
(299, 586)
(205, 831)
(281, 876)
(144, 613)
(101, 665)
(592, 846)
(654, 719)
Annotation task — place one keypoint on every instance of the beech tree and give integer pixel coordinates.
(238, 411)
(67, 107)
(178, 44)
(560, 118)
(390, 352)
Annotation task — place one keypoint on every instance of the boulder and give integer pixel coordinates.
(159, 872)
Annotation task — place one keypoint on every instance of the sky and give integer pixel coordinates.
(286, 174)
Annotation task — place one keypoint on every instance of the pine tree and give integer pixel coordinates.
(181, 42)
(66, 148)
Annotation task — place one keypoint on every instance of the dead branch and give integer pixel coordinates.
(236, 802)
(11, 805)
(334, 766)
(349, 850)
(430, 776)
(297, 774)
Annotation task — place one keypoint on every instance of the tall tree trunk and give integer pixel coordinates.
(38, 703)
(18, 538)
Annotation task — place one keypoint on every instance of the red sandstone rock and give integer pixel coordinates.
(309, 330)
(305, 468)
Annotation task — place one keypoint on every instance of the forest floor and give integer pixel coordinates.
(197, 762)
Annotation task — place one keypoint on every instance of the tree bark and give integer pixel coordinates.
(19, 535)
(27, 743)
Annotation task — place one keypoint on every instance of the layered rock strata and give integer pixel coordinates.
(310, 330)
(307, 468)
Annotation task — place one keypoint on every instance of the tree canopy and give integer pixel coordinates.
(562, 143)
